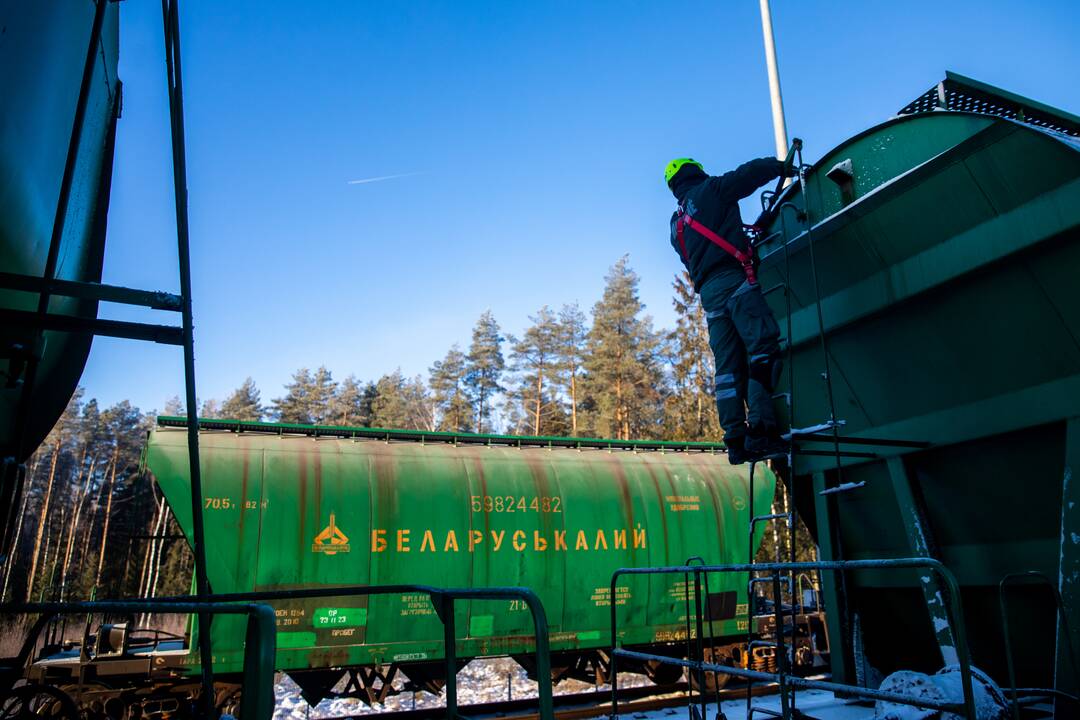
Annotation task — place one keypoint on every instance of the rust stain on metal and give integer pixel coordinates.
(660, 504)
(302, 540)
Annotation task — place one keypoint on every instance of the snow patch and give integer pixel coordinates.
(945, 686)
(481, 681)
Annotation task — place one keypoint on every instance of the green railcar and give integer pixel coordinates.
(290, 507)
(947, 247)
(43, 52)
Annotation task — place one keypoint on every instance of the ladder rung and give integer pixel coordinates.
(843, 488)
(832, 453)
(827, 425)
(767, 518)
(765, 711)
(883, 442)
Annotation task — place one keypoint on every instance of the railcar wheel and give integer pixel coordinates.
(663, 673)
(713, 681)
(34, 701)
(228, 700)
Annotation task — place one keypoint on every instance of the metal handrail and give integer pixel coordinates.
(259, 646)
(443, 601)
(956, 622)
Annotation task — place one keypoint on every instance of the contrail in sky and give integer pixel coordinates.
(364, 181)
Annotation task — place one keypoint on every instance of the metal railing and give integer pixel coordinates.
(443, 601)
(259, 645)
(955, 617)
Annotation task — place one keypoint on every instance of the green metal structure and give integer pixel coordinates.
(43, 55)
(947, 245)
(294, 508)
(57, 134)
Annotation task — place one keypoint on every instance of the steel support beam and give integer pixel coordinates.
(1069, 567)
(164, 334)
(830, 585)
(90, 291)
(921, 544)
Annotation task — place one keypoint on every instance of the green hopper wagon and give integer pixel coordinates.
(292, 507)
(947, 250)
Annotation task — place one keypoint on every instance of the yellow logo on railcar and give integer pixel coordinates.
(331, 540)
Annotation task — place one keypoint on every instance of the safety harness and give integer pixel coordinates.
(686, 219)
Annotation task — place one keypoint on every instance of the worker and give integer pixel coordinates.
(707, 232)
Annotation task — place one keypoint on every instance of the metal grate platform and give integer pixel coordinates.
(964, 94)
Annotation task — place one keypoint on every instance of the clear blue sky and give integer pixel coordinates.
(538, 133)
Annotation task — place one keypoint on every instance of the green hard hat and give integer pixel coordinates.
(675, 165)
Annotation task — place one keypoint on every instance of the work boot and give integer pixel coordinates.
(765, 442)
(736, 452)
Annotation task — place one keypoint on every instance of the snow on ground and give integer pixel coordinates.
(481, 681)
(816, 703)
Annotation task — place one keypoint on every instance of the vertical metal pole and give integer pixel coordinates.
(543, 656)
(689, 654)
(750, 595)
(699, 646)
(915, 527)
(450, 653)
(831, 585)
(1068, 587)
(779, 127)
(613, 665)
(174, 79)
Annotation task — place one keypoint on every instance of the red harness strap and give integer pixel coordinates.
(747, 261)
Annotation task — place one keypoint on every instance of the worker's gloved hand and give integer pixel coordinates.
(789, 170)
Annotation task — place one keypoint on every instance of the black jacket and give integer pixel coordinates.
(714, 202)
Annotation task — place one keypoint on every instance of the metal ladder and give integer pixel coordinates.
(785, 584)
(48, 285)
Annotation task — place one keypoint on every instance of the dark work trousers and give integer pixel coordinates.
(745, 341)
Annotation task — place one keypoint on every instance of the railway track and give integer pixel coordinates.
(569, 707)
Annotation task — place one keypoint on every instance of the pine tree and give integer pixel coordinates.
(348, 406)
(449, 392)
(125, 426)
(484, 367)
(58, 442)
(174, 407)
(244, 404)
(625, 383)
(210, 409)
(293, 407)
(389, 408)
(534, 359)
(689, 412)
(572, 338)
(307, 398)
(321, 399)
(420, 405)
